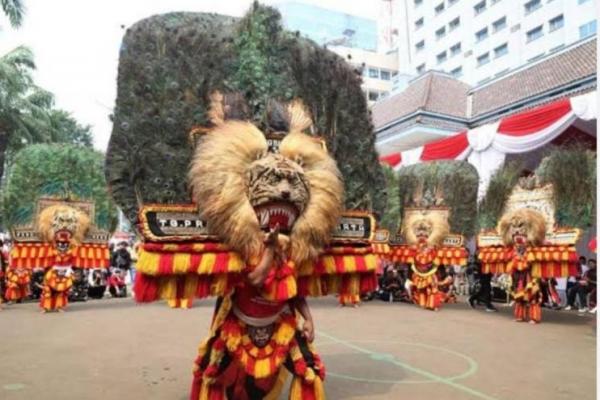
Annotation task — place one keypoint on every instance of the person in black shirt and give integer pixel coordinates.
(390, 285)
(483, 290)
(121, 258)
(585, 284)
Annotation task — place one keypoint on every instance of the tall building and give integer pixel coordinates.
(329, 27)
(351, 37)
(479, 40)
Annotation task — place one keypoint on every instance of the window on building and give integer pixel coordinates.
(420, 45)
(450, 2)
(535, 33)
(421, 68)
(480, 7)
(439, 8)
(441, 57)
(496, 1)
(483, 59)
(418, 3)
(455, 23)
(556, 22)
(373, 95)
(373, 73)
(384, 75)
(588, 29)
(582, 1)
(456, 72)
(499, 24)
(456, 49)
(440, 33)
(481, 35)
(419, 23)
(501, 50)
(484, 80)
(532, 5)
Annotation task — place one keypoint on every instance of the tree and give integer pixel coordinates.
(59, 171)
(23, 106)
(65, 129)
(14, 10)
(391, 216)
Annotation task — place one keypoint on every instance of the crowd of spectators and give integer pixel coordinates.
(483, 289)
(94, 283)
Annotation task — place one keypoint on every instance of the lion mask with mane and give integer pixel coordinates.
(521, 227)
(242, 190)
(426, 227)
(62, 225)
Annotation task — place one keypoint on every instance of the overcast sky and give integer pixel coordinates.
(76, 45)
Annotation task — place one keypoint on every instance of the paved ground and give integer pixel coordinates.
(114, 349)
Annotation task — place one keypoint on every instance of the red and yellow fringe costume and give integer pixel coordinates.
(229, 364)
(55, 292)
(526, 290)
(348, 299)
(424, 264)
(17, 284)
(55, 288)
(551, 261)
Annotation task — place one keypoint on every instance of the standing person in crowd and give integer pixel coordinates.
(483, 291)
(460, 280)
(586, 284)
(134, 258)
(121, 258)
(591, 279)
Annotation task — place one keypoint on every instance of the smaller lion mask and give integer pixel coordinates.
(62, 225)
(523, 227)
(428, 228)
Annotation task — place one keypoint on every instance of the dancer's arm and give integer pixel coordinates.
(308, 329)
(258, 275)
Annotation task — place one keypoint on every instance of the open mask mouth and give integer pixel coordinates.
(62, 246)
(277, 214)
(519, 239)
(422, 237)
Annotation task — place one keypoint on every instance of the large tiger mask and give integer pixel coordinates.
(242, 190)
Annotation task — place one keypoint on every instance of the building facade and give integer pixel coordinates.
(436, 105)
(329, 27)
(351, 37)
(479, 40)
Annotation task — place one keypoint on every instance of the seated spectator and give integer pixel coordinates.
(116, 284)
(97, 283)
(586, 284)
(445, 279)
(390, 286)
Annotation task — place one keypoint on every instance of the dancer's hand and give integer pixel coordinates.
(308, 331)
